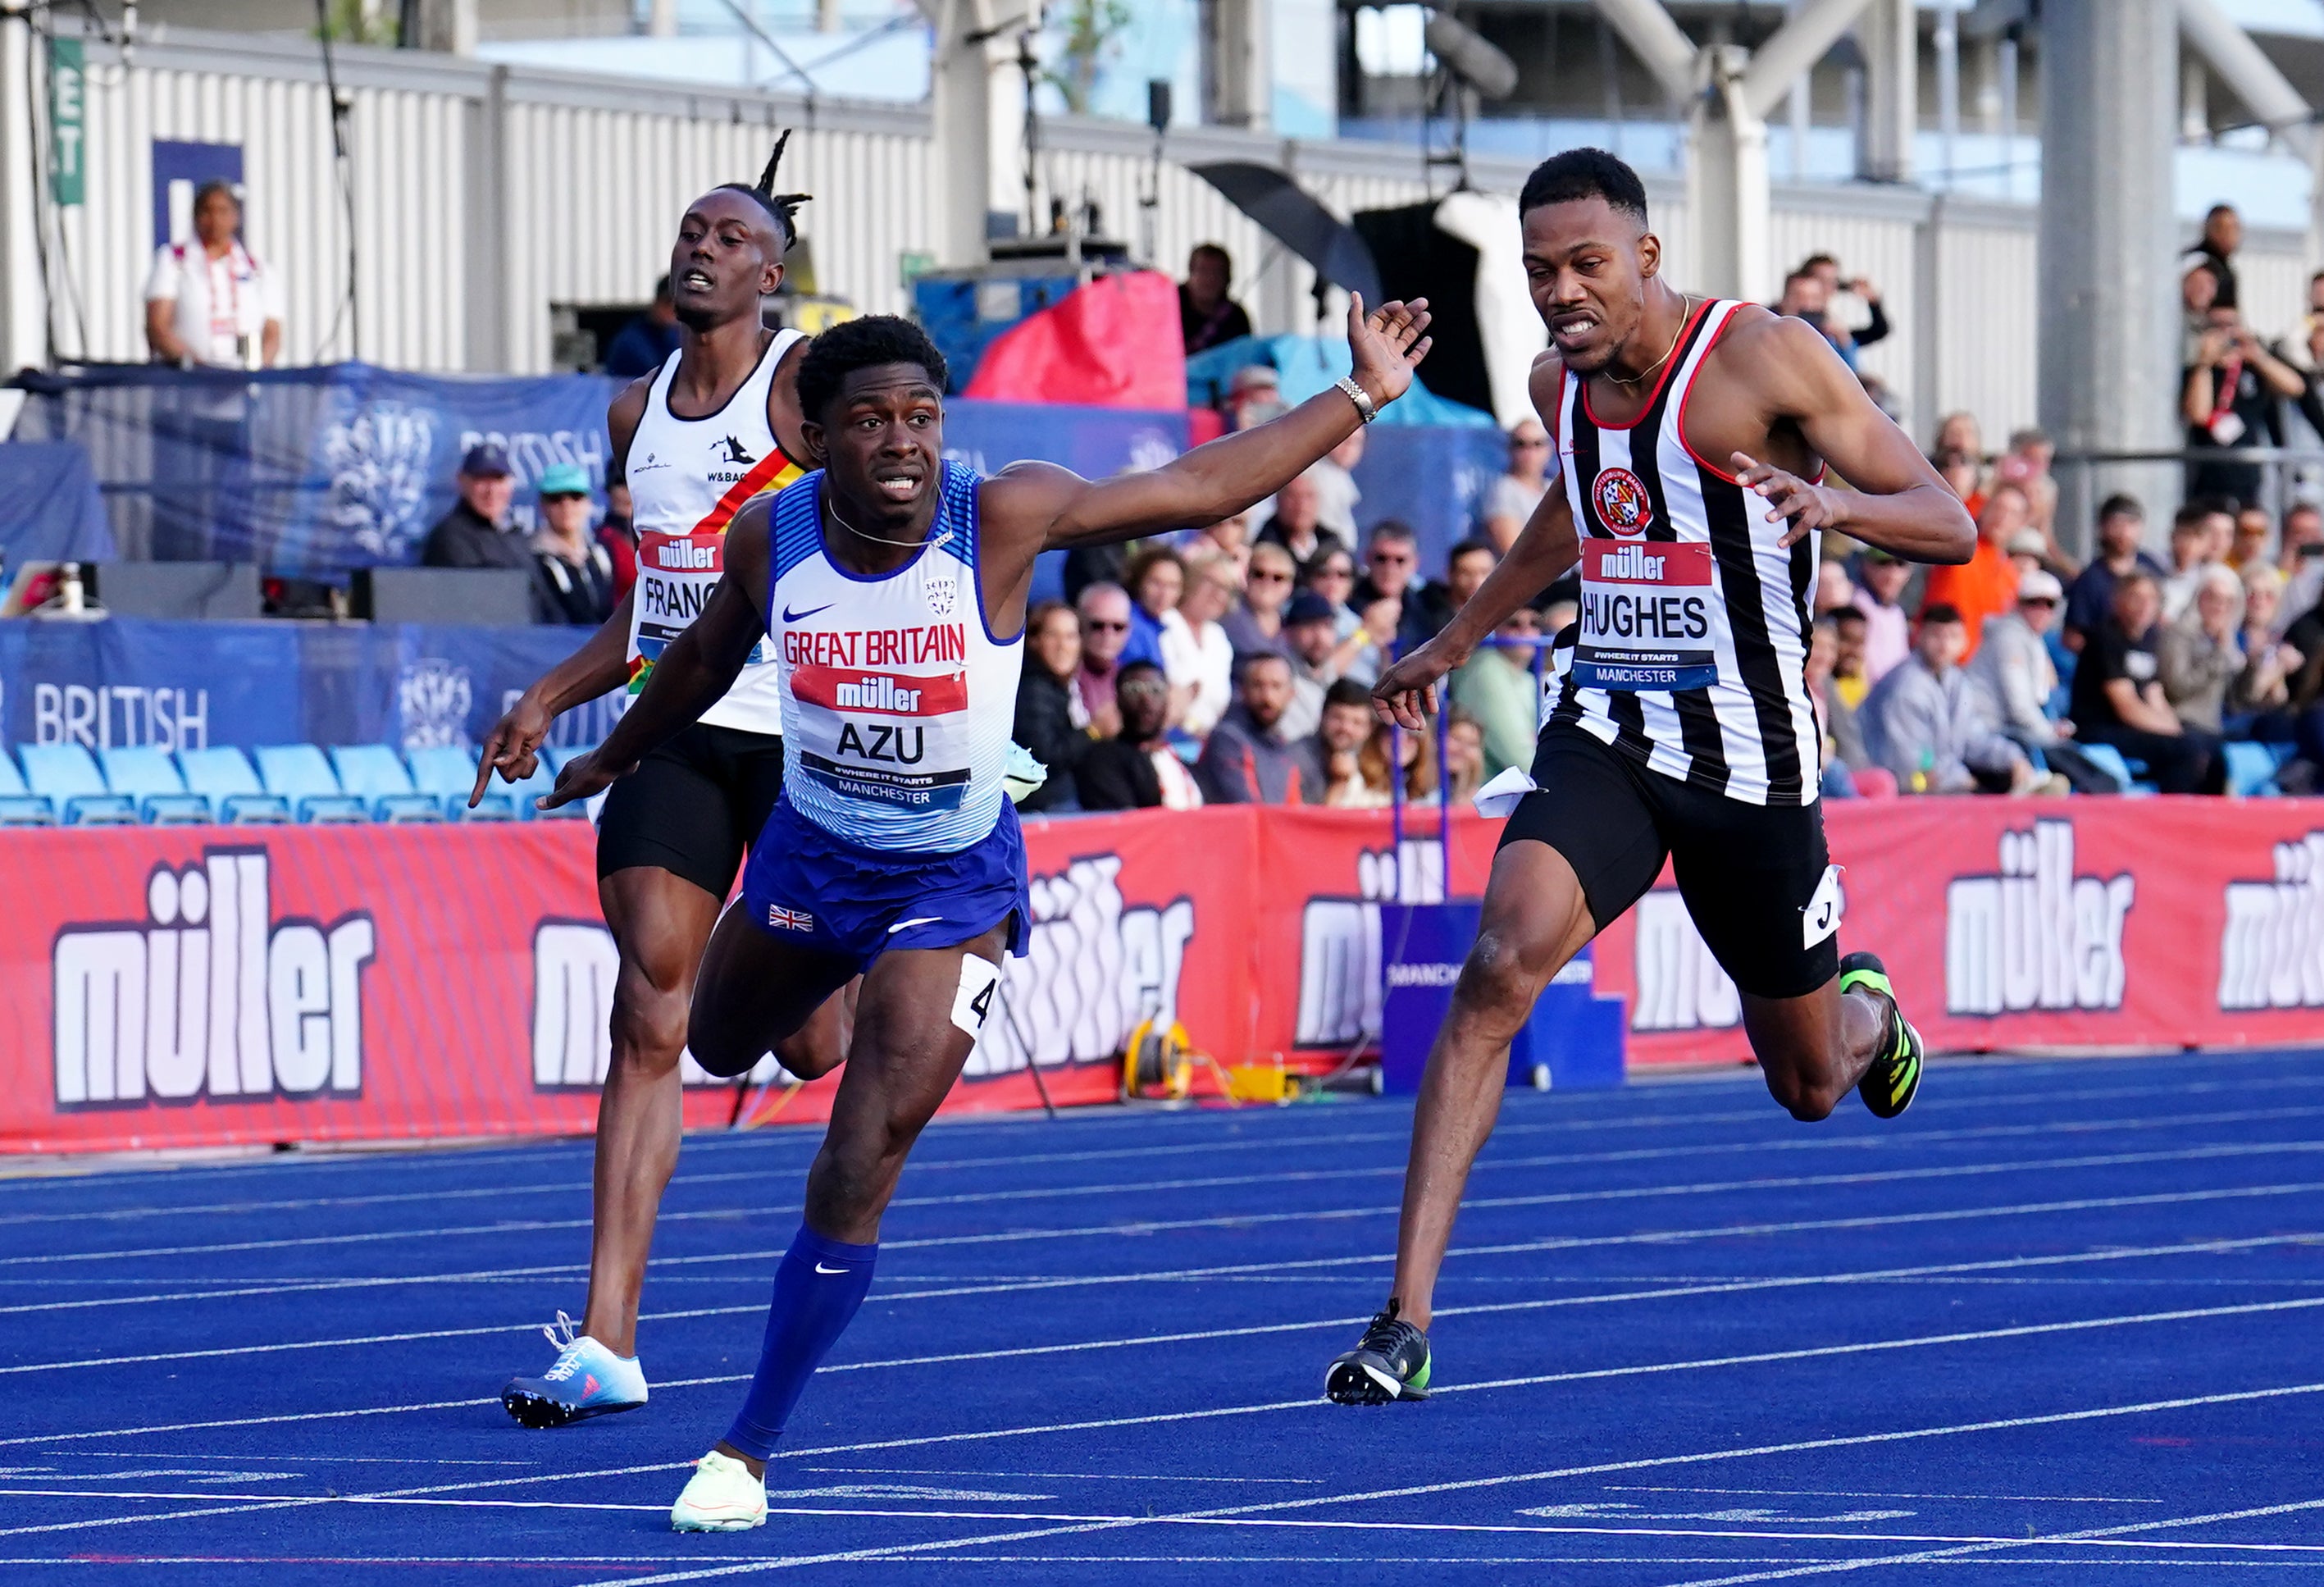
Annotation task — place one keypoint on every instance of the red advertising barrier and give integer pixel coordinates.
(205, 986)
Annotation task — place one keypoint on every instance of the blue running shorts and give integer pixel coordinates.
(805, 885)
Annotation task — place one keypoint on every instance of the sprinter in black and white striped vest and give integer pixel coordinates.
(1691, 436)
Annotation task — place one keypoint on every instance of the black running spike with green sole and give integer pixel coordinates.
(1391, 1362)
(1894, 1080)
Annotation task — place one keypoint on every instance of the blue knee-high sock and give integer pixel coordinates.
(817, 1288)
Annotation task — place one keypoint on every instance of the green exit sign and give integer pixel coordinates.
(912, 265)
(67, 154)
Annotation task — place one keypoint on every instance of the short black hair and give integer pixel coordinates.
(1392, 529)
(1470, 548)
(1348, 691)
(1585, 174)
(211, 187)
(1839, 614)
(862, 344)
(2191, 515)
(2120, 505)
(1943, 611)
(1139, 668)
(782, 208)
(1214, 250)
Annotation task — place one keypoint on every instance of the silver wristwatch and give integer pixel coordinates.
(1361, 398)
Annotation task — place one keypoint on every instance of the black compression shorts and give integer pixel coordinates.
(693, 807)
(1746, 872)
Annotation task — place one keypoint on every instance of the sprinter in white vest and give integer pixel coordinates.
(892, 586)
(696, 439)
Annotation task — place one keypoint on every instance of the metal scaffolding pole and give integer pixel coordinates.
(2108, 303)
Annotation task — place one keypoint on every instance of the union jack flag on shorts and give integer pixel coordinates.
(787, 919)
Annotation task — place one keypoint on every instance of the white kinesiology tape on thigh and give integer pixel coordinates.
(979, 981)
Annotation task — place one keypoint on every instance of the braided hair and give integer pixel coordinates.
(780, 207)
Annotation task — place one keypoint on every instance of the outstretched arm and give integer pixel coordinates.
(1224, 477)
(1538, 558)
(1898, 503)
(691, 675)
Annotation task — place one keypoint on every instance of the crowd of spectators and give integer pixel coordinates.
(1231, 663)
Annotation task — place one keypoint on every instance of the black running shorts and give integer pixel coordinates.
(693, 806)
(1746, 872)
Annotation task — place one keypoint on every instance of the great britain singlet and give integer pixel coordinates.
(688, 479)
(1694, 629)
(897, 698)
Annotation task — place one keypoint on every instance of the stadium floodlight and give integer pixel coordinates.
(1470, 57)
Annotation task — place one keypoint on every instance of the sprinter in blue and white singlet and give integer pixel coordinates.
(891, 587)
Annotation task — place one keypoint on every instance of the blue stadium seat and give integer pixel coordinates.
(223, 777)
(147, 774)
(554, 761)
(2251, 768)
(447, 775)
(67, 775)
(2108, 758)
(20, 807)
(299, 774)
(376, 773)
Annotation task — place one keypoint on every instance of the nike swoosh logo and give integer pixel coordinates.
(906, 925)
(792, 616)
(821, 1269)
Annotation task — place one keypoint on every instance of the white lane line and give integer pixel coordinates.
(1605, 1468)
(1965, 1077)
(1867, 1493)
(1665, 1290)
(986, 1435)
(1147, 1187)
(1019, 1285)
(1821, 1141)
(1838, 1567)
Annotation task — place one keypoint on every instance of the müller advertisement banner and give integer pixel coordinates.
(207, 986)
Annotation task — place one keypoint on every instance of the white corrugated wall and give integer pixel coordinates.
(460, 261)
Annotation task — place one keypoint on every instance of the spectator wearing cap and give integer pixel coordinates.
(573, 575)
(2202, 652)
(645, 344)
(1247, 759)
(1136, 769)
(1880, 581)
(1987, 584)
(2019, 676)
(1254, 396)
(1498, 686)
(1932, 729)
(1392, 573)
(477, 532)
(2089, 599)
(1311, 635)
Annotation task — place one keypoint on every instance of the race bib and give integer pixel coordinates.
(1646, 615)
(676, 573)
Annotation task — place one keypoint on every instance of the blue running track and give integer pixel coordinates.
(2060, 1324)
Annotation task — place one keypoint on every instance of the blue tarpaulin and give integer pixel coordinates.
(49, 506)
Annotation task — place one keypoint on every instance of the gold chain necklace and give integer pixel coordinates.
(1685, 299)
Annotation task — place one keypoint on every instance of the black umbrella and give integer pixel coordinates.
(1285, 212)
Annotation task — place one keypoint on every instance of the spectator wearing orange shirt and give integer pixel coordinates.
(1987, 584)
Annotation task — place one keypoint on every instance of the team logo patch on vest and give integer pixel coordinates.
(1623, 505)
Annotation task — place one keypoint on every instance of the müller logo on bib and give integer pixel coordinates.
(1622, 502)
